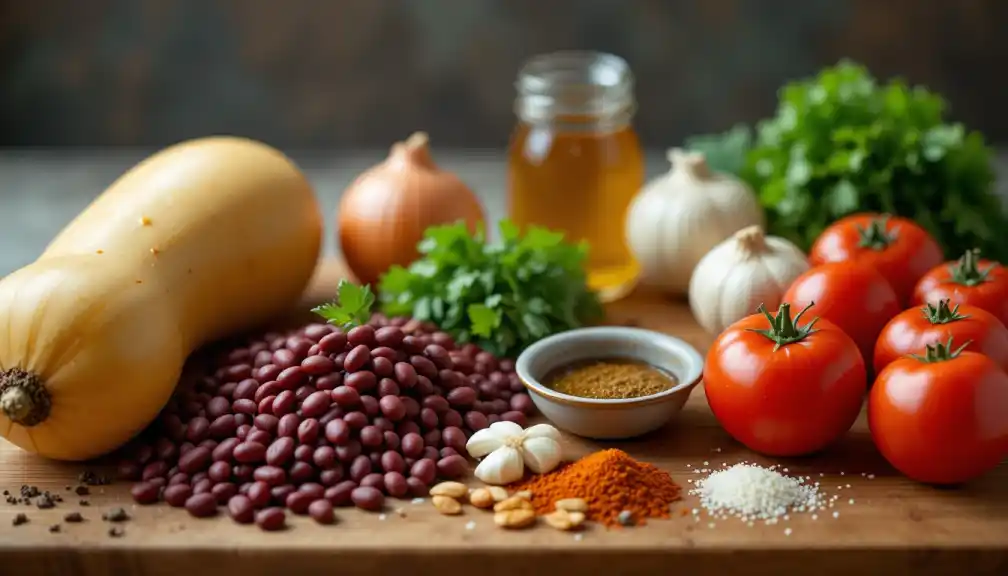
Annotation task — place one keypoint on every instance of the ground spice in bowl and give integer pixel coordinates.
(609, 379)
(611, 482)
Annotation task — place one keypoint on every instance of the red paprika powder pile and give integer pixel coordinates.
(611, 482)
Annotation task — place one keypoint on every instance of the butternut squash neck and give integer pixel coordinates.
(24, 399)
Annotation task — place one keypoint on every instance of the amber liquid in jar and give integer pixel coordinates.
(575, 162)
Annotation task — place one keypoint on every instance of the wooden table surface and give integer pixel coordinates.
(885, 523)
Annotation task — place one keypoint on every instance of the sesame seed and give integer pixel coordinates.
(787, 531)
(470, 525)
(836, 514)
(851, 501)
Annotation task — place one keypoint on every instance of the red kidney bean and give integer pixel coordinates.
(417, 487)
(259, 494)
(324, 457)
(177, 494)
(266, 422)
(154, 470)
(462, 397)
(383, 352)
(369, 404)
(388, 387)
(363, 381)
(425, 470)
(340, 494)
(271, 519)
(242, 472)
(314, 489)
(249, 452)
(284, 358)
(245, 390)
(301, 472)
(359, 468)
(492, 418)
(412, 445)
(291, 377)
(452, 467)
(451, 379)
(329, 381)
(297, 502)
(452, 418)
(218, 406)
(475, 420)
(428, 418)
(165, 449)
(299, 345)
(195, 460)
(308, 430)
(288, 425)
(382, 367)
(446, 451)
(367, 498)
(395, 484)
(374, 480)
(196, 430)
(241, 510)
(516, 417)
(219, 471)
(405, 374)
(315, 405)
(432, 438)
(357, 358)
(522, 403)
(208, 444)
(145, 492)
(178, 478)
(333, 343)
(338, 431)
(237, 372)
(431, 453)
(345, 396)
(390, 336)
(424, 367)
(408, 427)
(272, 475)
(321, 511)
(223, 492)
(304, 453)
(259, 436)
(392, 461)
(201, 486)
(355, 420)
(454, 438)
(265, 406)
(371, 437)
(363, 335)
(331, 476)
(391, 440)
(201, 505)
(280, 451)
(316, 332)
(244, 406)
(438, 404)
(439, 356)
(283, 403)
(223, 426)
(423, 386)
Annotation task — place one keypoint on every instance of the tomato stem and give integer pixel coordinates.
(940, 352)
(942, 314)
(783, 329)
(966, 270)
(874, 236)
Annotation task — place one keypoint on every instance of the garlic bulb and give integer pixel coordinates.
(508, 450)
(675, 219)
(741, 273)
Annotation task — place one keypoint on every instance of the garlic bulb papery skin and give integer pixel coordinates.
(741, 273)
(507, 449)
(679, 216)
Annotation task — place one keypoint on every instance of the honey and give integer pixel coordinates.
(575, 162)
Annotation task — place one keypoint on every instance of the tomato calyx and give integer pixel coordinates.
(942, 313)
(940, 352)
(874, 236)
(966, 270)
(783, 329)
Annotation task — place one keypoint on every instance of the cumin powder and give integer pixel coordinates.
(610, 379)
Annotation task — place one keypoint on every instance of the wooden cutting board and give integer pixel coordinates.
(880, 522)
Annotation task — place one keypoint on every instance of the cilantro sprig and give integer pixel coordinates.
(842, 142)
(502, 295)
(352, 306)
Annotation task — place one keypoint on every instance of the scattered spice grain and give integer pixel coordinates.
(610, 482)
(116, 532)
(610, 379)
(54, 528)
(115, 515)
(73, 518)
(19, 519)
(626, 518)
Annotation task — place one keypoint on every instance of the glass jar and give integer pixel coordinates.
(574, 162)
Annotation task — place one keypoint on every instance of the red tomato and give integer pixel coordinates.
(852, 295)
(912, 330)
(897, 247)
(943, 418)
(969, 280)
(783, 387)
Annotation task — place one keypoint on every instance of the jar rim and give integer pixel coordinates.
(569, 68)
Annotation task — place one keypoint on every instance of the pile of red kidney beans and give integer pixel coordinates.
(315, 418)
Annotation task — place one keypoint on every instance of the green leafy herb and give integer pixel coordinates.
(351, 308)
(842, 143)
(502, 296)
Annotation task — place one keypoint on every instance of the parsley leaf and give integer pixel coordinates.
(501, 295)
(842, 142)
(351, 308)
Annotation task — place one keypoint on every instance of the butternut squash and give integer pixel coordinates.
(202, 239)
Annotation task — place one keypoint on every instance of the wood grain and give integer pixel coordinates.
(894, 526)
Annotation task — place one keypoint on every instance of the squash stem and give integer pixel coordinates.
(24, 400)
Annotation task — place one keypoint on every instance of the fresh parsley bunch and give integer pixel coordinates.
(502, 296)
(842, 143)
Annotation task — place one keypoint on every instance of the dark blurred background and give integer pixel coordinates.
(361, 73)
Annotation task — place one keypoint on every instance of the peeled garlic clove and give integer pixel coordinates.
(483, 442)
(506, 429)
(542, 454)
(503, 466)
(542, 431)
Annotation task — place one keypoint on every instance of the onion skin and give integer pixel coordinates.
(383, 214)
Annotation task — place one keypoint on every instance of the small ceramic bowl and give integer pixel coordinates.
(605, 419)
